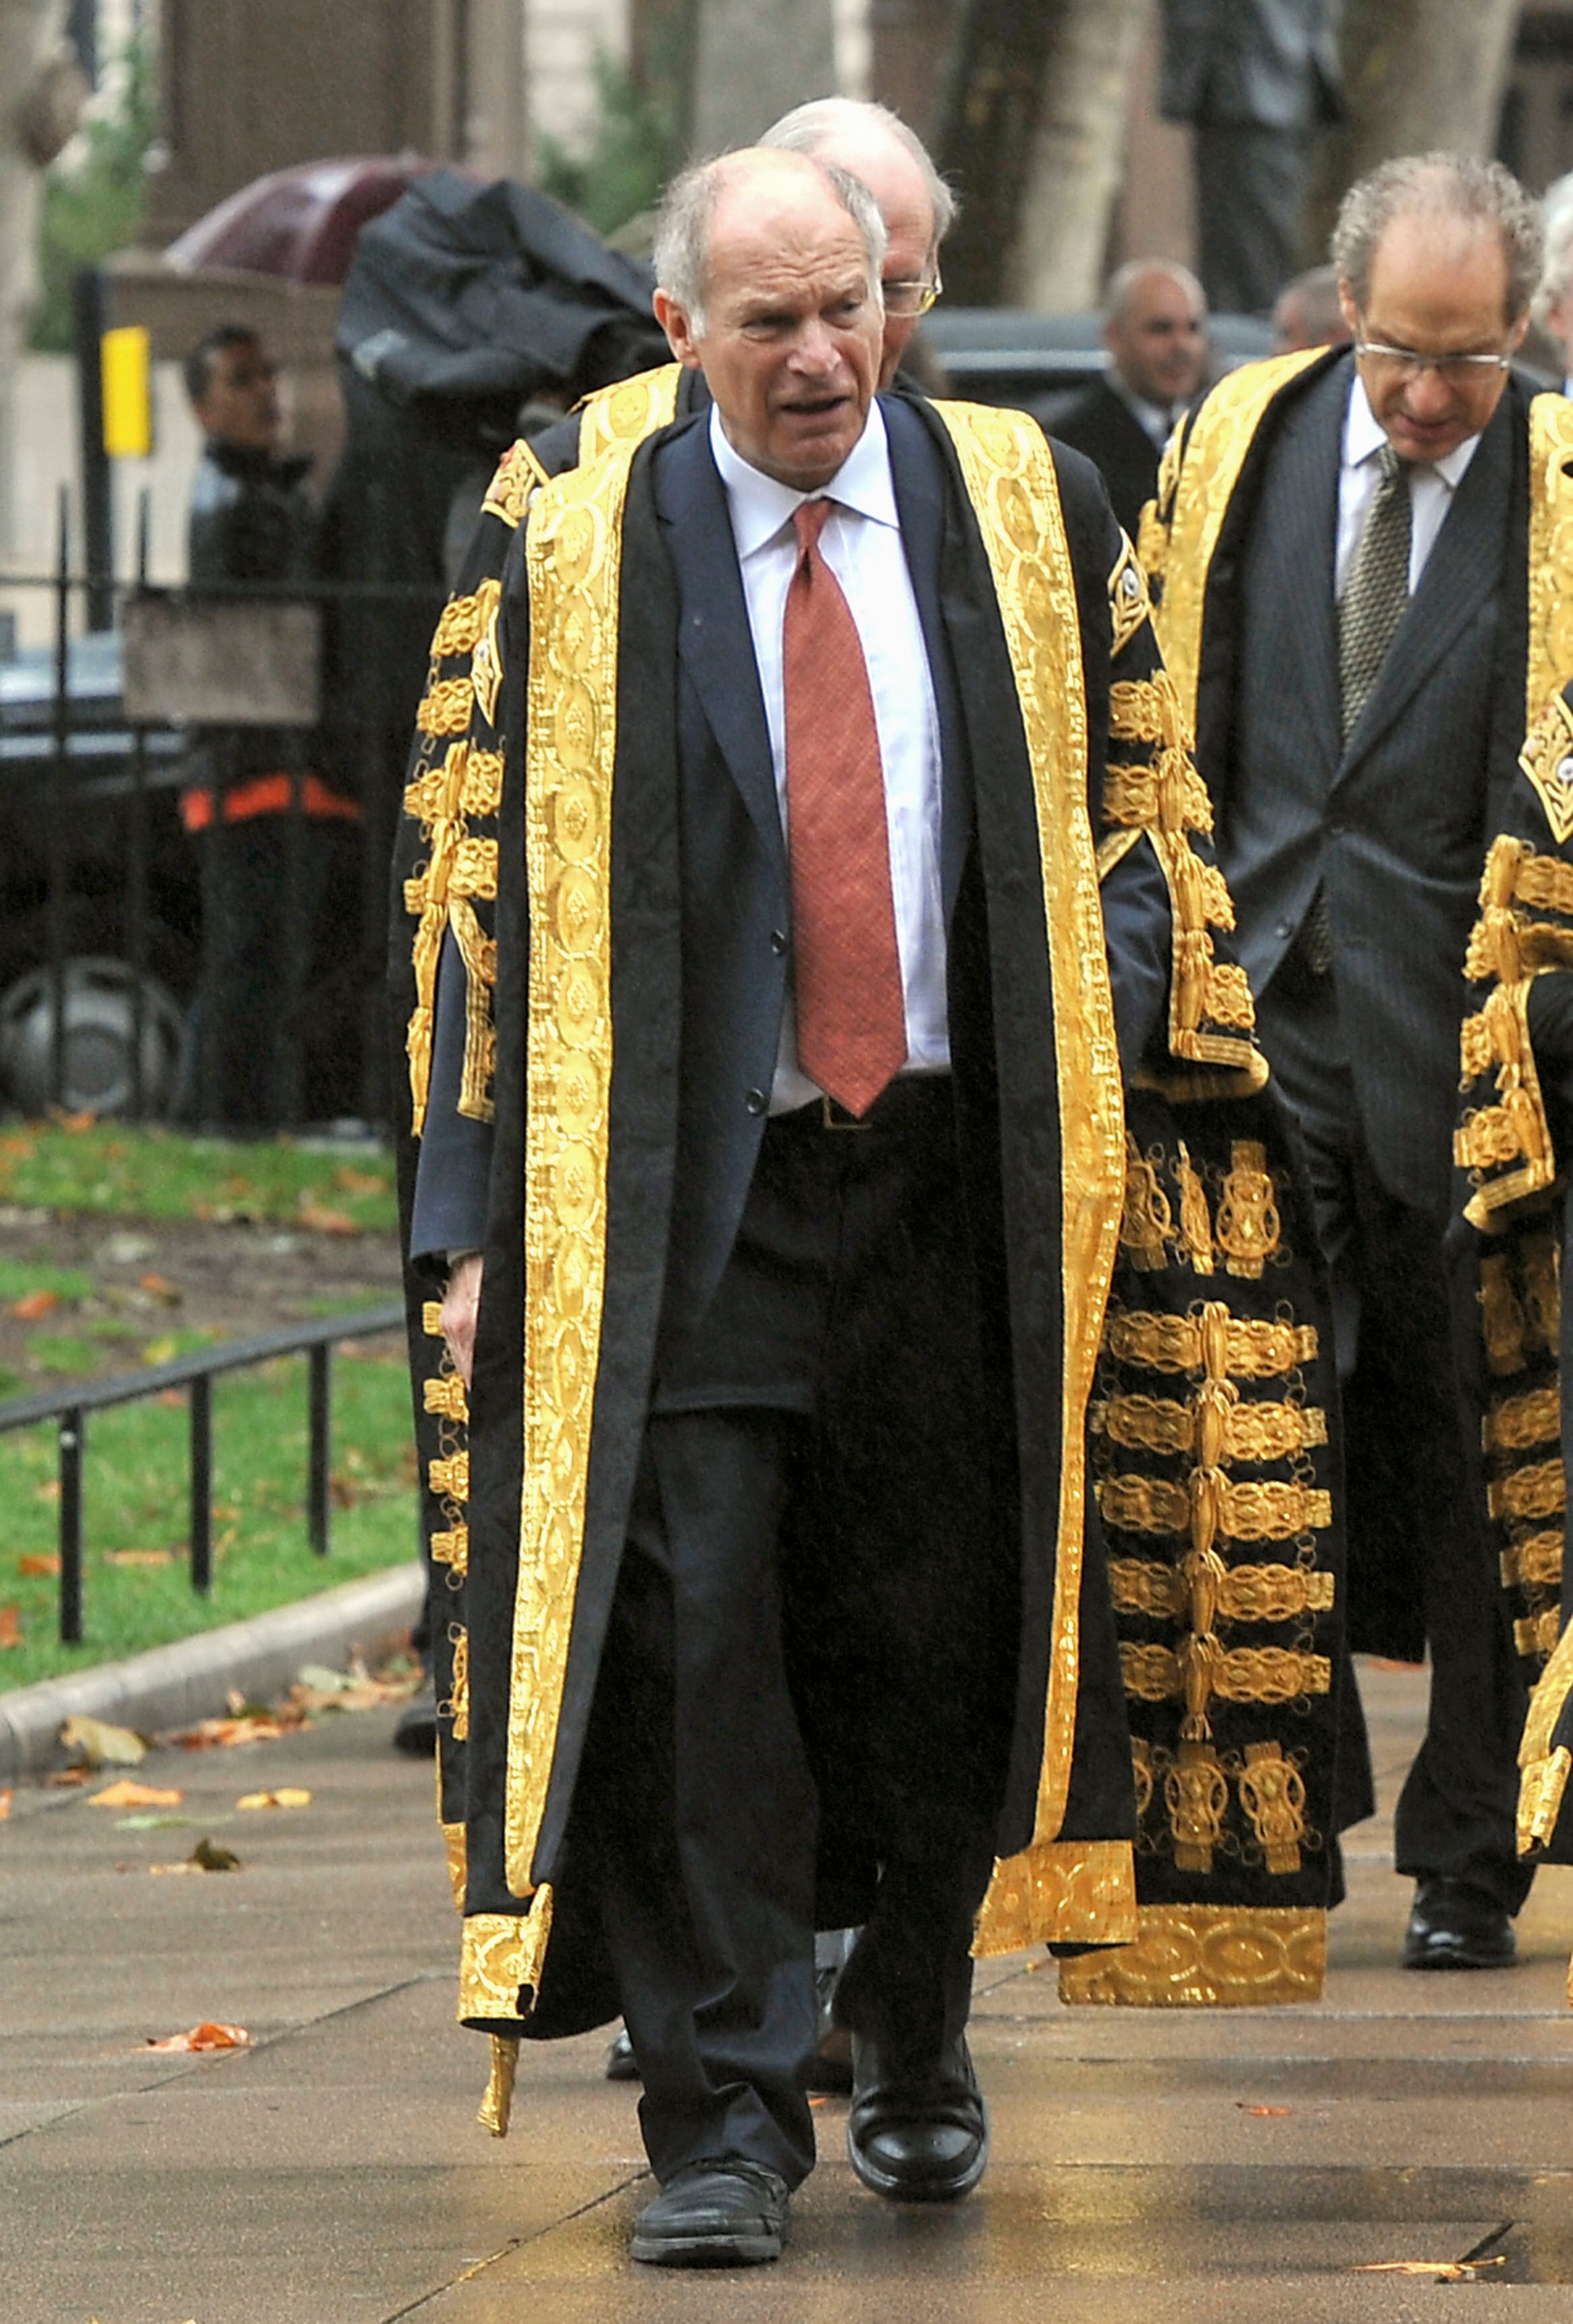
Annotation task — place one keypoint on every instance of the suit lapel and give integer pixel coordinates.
(1305, 482)
(1463, 569)
(919, 480)
(714, 643)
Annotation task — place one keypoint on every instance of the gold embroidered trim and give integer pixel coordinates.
(1535, 1563)
(518, 474)
(620, 417)
(446, 1395)
(502, 1955)
(451, 1548)
(454, 1841)
(1207, 1957)
(1547, 761)
(1148, 1220)
(1251, 1431)
(1009, 474)
(573, 559)
(464, 621)
(1544, 1771)
(1070, 1892)
(483, 786)
(449, 1478)
(1540, 1489)
(1268, 1510)
(1142, 1769)
(1272, 1795)
(1140, 797)
(457, 1707)
(1249, 1228)
(431, 1318)
(497, 2105)
(445, 707)
(1551, 565)
(1519, 1422)
(1537, 1634)
(1196, 1795)
(1195, 1220)
(1175, 1343)
(1245, 1594)
(1129, 606)
(1541, 1790)
(1275, 1675)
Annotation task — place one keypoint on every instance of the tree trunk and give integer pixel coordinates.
(29, 40)
(1418, 74)
(1031, 130)
(752, 62)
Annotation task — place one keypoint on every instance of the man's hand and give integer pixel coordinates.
(461, 1306)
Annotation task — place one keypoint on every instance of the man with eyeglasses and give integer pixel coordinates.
(1350, 554)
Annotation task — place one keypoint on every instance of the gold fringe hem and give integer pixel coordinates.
(1207, 1957)
(497, 2105)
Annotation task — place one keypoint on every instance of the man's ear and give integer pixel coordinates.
(1347, 309)
(680, 333)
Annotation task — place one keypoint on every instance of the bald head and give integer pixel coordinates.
(874, 145)
(1154, 328)
(768, 271)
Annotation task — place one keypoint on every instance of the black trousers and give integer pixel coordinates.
(803, 1710)
(1250, 199)
(1405, 1411)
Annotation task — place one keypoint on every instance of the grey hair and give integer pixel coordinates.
(687, 211)
(1124, 281)
(810, 128)
(1440, 185)
(1557, 267)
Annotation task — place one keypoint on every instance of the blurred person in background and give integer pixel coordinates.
(1154, 332)
(1256, 80)
(252, 520)
(1310, 313)
(1553, 307)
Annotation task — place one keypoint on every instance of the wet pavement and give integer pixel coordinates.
(1147, 2165)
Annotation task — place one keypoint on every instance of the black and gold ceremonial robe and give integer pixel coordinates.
(1175, 1367)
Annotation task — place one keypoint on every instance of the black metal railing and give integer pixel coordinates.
(70, 1406)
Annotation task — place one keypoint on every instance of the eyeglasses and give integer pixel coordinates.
(911, 297)
(1457, 371)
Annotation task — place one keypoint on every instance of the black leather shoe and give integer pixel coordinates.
(917, 2138)
(415, 1730)
(1452, 1925)
(621, 2065)
(722, 2212)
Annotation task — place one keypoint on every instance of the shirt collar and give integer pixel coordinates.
(761, 506)
(1364, 436)
(1155, 420)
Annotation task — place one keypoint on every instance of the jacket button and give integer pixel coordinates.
(777, 941)
(756, 1101)
(1285, 928)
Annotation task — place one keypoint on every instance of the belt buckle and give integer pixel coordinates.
(827, 1115)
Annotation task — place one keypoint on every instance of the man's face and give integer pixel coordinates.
(1438, 288)
(240, 403)
(1159, 340)
(791, 343)
(911, 259)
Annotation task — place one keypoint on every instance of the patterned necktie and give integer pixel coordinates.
(1378, 589)
(851, 1017)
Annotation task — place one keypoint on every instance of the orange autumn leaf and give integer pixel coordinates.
(208, 2036)
(287, 1797)
(1262, 2110)
(5, 1799)
(39, 1561)
(139, 1557)
(321, 1220)
(159, 1288)
(127, 1795)
(76, 1123)
(10, 1625)
(33, 1304)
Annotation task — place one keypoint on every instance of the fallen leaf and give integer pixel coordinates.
(152, 1822)
(49, 1490)
(173, 1398)
(66, 1778)
(162, 1352)
(127, 1795)
(210, 1856)
(33, 1306)
(75, 1123)
(359, 1182)
(10, 1625)
(206, 2036)
(139, 1557)
(1262, 2110)
(223, 1734)
(286, 1798)
(185, 1865)
(1444, 2271)
(98, 1743)
(321, 1220)
(39, 1561)
(5, 1799)
(159, 1288)
(322, 1680)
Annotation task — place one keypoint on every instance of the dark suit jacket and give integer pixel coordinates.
(1271, 62)
(736, 913)
(1099, 423)
(1396, 823)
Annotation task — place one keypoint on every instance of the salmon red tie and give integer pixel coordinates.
(852, 1018)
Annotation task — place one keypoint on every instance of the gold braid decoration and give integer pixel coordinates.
(1142, 1772)
(1136, 797)
(1547, 759)
(1245, 1594)
(483, 786)
(451, 1477)
(1206, 1956)
(445, 707)
(451, 1548)
(463, 620)
(1550, 660)
(1519, 1422)
(1249, 1229)
(1533, 1563)
(1545, 1771)
(1195, 1220)
(1250, 1432)
(446, 1395)
(1147, 1222)
(1196, 1795)
(1266, 1511)
(1242, 1674)
(518, 474)
(1174, 1343)
(1540, 1490)
(1272, 1795)
(1501, 1133)
(1129, 606)
(457, 1707)
(1537, 1634)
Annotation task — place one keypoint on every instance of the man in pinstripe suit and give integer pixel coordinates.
(1344, 543)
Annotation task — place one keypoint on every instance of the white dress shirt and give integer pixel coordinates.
(1155, 421)
(861, 544)
(1431, 486)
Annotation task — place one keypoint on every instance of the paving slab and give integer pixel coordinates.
(1161, 2166)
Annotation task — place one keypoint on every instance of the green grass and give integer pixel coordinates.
(136, 1491)
(116, 1171)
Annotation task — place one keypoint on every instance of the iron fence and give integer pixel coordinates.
(70, 1406)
